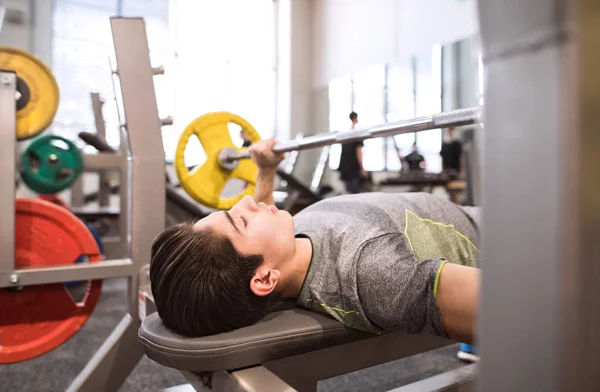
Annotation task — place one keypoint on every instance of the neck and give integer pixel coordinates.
(294, 272)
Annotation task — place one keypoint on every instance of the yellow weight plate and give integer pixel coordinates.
(39, 92)
(205, 183)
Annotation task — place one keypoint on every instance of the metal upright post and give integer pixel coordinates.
(2, 14)
(539, 318)
(144, 215)
(8, 118)
(145, 138)
(103, 187)
(77, 197)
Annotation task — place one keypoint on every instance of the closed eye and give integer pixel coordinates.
(244, 220)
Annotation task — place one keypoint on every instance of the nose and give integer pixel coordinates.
(248, 203)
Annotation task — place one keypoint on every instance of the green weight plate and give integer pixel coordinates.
(51, 164)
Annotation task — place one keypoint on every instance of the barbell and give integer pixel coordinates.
(225, 161)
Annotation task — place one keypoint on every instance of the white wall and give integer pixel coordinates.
(353, 34)
(41, 39)
(16, 32)
(33, 31)
(424, 23)
(350, 35)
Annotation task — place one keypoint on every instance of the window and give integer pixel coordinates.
(383, 94)
(340, 106)
(81, 46)
(480, 83)
(225, 62)
(369, 103)
(214, 60)
(401, 106)
(428, 89)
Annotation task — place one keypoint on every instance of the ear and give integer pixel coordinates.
(264, 281)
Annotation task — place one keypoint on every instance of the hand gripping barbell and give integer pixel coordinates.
(225, 161)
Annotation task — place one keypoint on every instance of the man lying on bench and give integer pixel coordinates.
(375, 262)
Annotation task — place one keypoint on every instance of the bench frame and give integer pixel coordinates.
(302, 372)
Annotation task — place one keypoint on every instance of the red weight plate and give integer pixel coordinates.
(54, 199)
(40, 318)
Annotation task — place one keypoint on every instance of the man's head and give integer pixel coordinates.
(450, 132)
(354, 118)
(218, 274)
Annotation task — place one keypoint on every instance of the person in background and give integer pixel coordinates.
(414, 160)
(351, 168)
(245, 138)
(453, 164)
(452, 158)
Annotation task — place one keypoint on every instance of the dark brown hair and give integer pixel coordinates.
(201, 283)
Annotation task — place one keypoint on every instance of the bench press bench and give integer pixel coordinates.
(288, 350)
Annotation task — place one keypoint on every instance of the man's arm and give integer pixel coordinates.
(457, 298)
(463, 168)
(443, 155)
(397, 292)
(265, 184)
(359, 158)
(262, 154)
(359, 154)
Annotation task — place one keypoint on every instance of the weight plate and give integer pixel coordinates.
(51, 164)
(39, 95)
(37, 319)
(82, 258)
(54, 199)
(206, 182)
(24, 94)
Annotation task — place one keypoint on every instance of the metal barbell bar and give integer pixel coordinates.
(454, 118)
(206, 182)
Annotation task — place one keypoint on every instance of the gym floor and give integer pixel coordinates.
(55, 370)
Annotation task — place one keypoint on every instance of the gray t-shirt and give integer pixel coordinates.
(376, 258)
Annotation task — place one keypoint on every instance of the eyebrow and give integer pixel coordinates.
(230, 219)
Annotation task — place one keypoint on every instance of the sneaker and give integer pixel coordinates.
(467, 353)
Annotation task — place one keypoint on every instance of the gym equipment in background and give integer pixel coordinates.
(225, 161)
(83, 258)
(25, 275)
(51, 164)
(39, 318)
(37, 91)
(178, 207)
(55, 199)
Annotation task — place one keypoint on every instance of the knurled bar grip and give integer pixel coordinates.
(452, 118)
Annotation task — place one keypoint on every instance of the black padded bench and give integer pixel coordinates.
(288, 350)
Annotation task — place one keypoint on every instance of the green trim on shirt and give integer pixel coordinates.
(432, 240)
(334, 309)
(437, 279)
